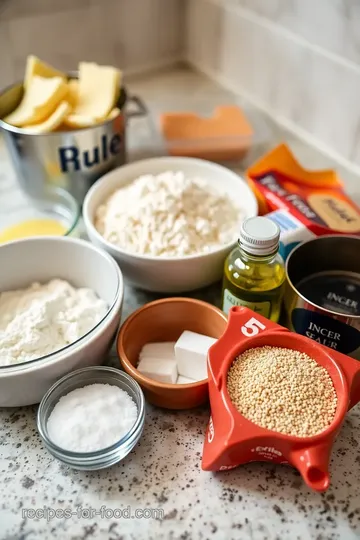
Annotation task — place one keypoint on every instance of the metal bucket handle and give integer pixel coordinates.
(140, 110)
(140, 107)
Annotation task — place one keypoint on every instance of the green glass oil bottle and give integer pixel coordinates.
(254, 272)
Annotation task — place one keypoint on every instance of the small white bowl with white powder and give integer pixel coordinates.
(92, 418)
(169, 222)
(60, 308)
(43, 318)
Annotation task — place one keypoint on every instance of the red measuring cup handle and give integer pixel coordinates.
(351, 369)
(313, 465)
(243, 324)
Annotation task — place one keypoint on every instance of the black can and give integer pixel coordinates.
(322, 298)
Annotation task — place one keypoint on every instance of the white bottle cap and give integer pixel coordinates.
(259, 236)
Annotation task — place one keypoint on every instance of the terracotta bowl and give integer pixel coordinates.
(165, 320)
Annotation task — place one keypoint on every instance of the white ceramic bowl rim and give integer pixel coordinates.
(60, 353)
(103, 179)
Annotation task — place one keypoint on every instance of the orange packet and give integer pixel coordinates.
(315, 198)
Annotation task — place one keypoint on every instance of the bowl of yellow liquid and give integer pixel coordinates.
(54, 213)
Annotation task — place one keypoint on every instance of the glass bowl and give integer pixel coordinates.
(16, 207)
(105, 457)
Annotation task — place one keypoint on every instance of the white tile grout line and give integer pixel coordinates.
(147, 69)
(253, 17)
(282, 121)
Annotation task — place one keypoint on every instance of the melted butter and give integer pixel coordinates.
(32, 227)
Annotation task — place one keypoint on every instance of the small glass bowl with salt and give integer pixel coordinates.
(92, 418)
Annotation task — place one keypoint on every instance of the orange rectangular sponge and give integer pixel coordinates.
(226, 135)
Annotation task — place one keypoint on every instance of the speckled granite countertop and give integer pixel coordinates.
(256, 501)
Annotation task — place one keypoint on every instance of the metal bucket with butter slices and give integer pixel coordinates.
(72, 159)
(322, 299)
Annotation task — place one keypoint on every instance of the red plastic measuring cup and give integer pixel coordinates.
(232, 440)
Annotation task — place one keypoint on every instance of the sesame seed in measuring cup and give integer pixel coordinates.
(275, 396)
(283, 390)
(92, 418)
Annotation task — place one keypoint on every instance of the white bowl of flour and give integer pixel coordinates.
(170, 221)
(60, 307)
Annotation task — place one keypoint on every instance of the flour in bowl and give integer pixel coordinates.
(168, 215)
(44, 318)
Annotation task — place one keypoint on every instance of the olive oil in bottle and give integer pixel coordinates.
(254, 271)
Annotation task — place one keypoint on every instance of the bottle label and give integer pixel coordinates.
(229, 300)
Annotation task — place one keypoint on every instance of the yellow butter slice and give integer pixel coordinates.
(114, 113)
(98, 90)
(40, 100)
(77, 121)
(54, 121)
(35, 66)
(73, 92)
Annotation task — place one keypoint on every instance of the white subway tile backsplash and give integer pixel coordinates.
(123, 32)
(132, 34)
(355, 151)
(330, 24)
(203, 47)
(247, 55)
(139, 33)
(292, 81)
(62, 39)
(171, 28)
(7, 72)
(335, 105)
(149, 30)
(12, 9)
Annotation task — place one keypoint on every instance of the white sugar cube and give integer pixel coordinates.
(184, 380)
(191, 351)
(159, 369)
(164, 349)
